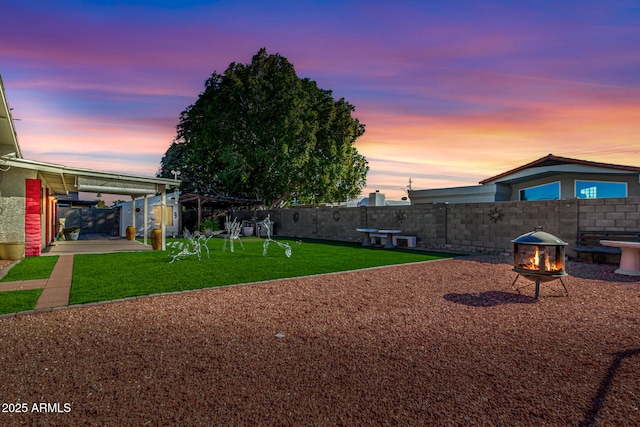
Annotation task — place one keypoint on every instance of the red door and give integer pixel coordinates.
(32, 211)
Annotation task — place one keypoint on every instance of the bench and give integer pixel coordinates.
(376, 236)
(411, 240)
(588, 242)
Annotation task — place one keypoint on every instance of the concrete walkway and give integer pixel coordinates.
(55, 289)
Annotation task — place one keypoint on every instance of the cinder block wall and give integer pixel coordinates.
(610, 214)
(466, 227)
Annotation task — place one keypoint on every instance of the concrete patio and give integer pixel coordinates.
(95, 244)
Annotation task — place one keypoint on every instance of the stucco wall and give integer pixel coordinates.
(470, 194)
(153, 215)
(466, 227)
(11, 219)
(12, 204)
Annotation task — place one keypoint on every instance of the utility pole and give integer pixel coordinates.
(409, 186)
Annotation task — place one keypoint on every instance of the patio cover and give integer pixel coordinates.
(64, 179)
(60, 180)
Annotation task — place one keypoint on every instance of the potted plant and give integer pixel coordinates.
(208, 226)
(71, 233)
(12, 250)
(247, 227)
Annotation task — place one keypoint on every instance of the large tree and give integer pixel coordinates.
(260, 131)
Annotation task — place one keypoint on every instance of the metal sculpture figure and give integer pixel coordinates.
(233, 233)
(266, 223)
(192, 246)
(195, 242)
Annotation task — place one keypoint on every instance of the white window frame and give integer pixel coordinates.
(541, 185)
(575, 188)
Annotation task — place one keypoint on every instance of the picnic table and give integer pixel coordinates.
(389, 234)
(372, 233)
(369, 231)
(630, 257)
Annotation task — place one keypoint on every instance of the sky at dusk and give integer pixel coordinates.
(451, 92)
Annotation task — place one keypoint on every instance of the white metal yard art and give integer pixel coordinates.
(191, 246)
(266, 224)
(233, 233)
(195, 243)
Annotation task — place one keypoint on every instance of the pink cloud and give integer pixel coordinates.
(456, 147)
(449, 94)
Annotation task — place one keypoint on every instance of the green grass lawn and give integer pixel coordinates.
(16, 301)
(119, 275)
(103, 277)
(27, 269)
(39, 267)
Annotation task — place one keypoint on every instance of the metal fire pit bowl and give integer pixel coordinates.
(539, 257)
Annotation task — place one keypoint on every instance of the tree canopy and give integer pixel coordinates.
(259, 131)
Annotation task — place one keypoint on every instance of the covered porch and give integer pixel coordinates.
(29, 191)
(52, 180)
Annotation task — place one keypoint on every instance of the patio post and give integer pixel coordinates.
(133, 212)
(145, 227)
(163, 221)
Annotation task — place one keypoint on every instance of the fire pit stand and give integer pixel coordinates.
(537, 281)
(539, 257)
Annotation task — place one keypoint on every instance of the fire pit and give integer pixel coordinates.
(539, 257)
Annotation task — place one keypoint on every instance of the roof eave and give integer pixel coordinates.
(8, 135)
(567, 160)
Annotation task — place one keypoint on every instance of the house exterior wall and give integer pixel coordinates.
(27, 211)
(172, 213)
(50, 233)
(470, 194)
(496, 192)
(567, 183)
(12, 204)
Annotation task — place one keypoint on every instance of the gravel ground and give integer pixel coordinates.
(4, 263)
(438, 343)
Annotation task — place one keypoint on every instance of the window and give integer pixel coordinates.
(600, 189)
(168, 214)
(541, 192)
